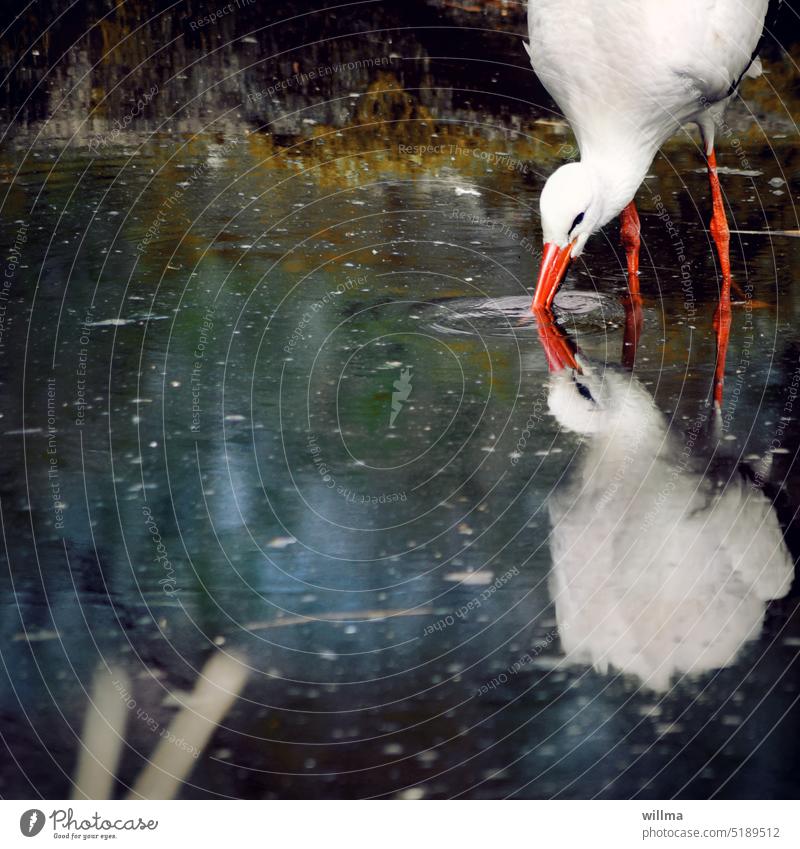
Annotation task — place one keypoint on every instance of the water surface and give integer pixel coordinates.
(293, 406)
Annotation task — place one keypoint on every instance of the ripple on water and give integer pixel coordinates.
(583, 312)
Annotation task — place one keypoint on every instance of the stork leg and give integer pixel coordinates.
(634, 321)
(722, 326)
(630, 230)
(721, 235)
(719, 225)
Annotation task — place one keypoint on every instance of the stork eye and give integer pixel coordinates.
(584, 390)
(577, 221)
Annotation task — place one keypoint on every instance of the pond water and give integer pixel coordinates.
(290, 404)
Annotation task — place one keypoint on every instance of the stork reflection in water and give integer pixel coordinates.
(664, 552)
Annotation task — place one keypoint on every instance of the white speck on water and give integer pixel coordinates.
(493, 774)
(460, 192)
(549, 662)
(470, 579)
(35, 636)
(413, 794)
(111, 322)
(234, 418)
(120, 322)
(732, 172)
(281, 542)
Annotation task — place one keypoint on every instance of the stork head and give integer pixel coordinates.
(605, 402)
(571, 211)
(578, 399)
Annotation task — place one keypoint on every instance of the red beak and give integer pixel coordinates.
(555, 261)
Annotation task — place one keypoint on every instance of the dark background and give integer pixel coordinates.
(72, 68)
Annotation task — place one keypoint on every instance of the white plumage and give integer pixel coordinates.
(633, 61)
(627, 74)
(660, 567)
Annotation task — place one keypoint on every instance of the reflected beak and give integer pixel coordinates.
(555, 261)
(559, 349)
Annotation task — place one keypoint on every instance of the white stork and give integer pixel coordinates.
(627, 74)
(663, 561)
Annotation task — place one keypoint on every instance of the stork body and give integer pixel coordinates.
(663, 563)
(627, 74)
